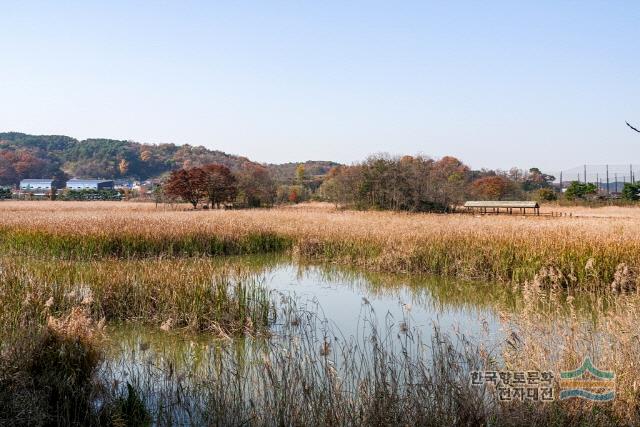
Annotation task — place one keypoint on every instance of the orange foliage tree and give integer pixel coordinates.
(491, 187)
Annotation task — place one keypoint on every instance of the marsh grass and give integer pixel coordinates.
(306, 372)
(384, 374)
(185, 293)
(310, 374)
(586, 252)
(559, 338)
(47, 371)
(69, 269)
(135, 245)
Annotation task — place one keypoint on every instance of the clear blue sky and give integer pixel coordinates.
(498, 84)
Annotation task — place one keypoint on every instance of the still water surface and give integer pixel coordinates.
(345, 296)
(175, 364)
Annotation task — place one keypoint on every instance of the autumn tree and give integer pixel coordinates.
(8, 175)
(255, 186)
(300, 175)
(22, 164)
(410, 183)
(342, 185)
(491, 187)
(284, 194)
(145, 155)
(187, 184)
(293, 196)
(123, 167)
(449, 178)
(219, 184)
(536, 180)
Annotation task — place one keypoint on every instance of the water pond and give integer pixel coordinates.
(340, 327)
(344, 297)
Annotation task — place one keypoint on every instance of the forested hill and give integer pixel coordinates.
(286, 172)
(47, 156)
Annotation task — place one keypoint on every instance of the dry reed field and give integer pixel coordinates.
(556, 340)
(594, 249)
(564, 287)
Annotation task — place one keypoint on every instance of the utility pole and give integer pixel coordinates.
(608, 179)
(615, 176)
(561, 181)
(585, 174)
(631, 180)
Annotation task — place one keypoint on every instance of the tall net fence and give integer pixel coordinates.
(610, 178)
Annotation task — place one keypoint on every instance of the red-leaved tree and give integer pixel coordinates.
(219, 184)
(187, 184)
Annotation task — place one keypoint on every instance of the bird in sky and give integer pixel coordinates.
(632, 127)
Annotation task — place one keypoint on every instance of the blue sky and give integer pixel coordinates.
(497, 84)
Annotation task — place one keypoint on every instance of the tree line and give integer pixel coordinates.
(407, 183)
(411, 183)
(419, 184)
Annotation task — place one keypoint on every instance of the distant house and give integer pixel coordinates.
(89, 184)
(38, 187)
(123, 184)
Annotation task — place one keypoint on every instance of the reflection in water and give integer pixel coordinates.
(340, 299)
(328, 318)
(306, 369)
(341, 294)
(341, 335)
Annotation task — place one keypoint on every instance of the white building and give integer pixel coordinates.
(89, 184)
(38, 187)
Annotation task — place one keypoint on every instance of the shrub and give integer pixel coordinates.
(631, 191)
(546, 195)
(90, 195)
(579, 190)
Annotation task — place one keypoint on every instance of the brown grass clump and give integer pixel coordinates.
(47, 375)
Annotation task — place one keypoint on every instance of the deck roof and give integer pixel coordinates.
(501, 204)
